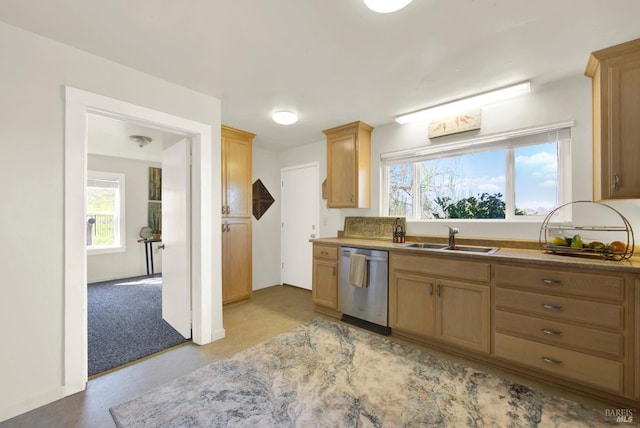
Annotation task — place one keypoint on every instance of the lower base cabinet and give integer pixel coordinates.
(236, 260)
(325, 276)
(449, 310)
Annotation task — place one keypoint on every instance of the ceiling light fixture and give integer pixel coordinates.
(386, 6)
(285, 117)
(140, 140)
(464, 104)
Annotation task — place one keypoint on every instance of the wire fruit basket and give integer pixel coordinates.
(613, 240)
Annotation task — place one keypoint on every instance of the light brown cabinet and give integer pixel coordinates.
(433, 298)
(615, 74)
(236, 165)
(325, 277)
(567, 324)
(349, 166)
(236, 260)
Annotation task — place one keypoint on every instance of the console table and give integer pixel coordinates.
(148, 252)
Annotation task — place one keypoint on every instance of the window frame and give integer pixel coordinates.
(501, 141)
(119, 221)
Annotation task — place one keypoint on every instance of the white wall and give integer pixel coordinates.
(132, 262)
(564, 100)
(266, 231)
(33, 74)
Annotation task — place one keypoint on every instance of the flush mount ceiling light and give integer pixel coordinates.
(285, 117)
(386, 6)
(140, 140)
(464, 104)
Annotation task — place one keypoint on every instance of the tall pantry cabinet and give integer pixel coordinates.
(236, 214)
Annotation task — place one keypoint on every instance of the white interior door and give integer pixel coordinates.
(176, 234)
(300, 194)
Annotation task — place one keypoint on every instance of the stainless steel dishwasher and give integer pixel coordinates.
(366, 307)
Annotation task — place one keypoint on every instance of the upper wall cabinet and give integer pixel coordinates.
(349, 166)
(615, 74)
(237, 198)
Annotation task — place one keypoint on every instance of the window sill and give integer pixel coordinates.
(105, 250)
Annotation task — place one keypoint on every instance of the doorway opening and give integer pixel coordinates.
(124, 206)
(204, 232)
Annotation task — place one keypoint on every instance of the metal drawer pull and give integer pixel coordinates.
(552, 307)
(430, 289)
(552, 332)
(324, 253)
(551, 361)
(552, 281)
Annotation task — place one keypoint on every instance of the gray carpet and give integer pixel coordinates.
(125, 322)
(325, 374)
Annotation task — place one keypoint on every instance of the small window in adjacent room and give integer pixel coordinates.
(513, 176)
(105, 212)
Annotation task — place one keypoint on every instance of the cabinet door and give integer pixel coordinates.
(342, 171)
(412, 304)
(236, 260)
(325, 283)
(463, 314)
(237, 191)
(616, 105)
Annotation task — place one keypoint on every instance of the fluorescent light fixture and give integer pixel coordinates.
(285, 117)
(464, 104)
(386, 6)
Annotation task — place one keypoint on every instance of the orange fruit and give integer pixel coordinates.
(619, 246)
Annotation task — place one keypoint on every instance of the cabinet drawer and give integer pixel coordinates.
(453, 268)
(325, 252)
(561, 308)
(572, 283)
(597, 342)
(588, 369)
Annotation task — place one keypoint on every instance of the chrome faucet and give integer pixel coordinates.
(452, 235)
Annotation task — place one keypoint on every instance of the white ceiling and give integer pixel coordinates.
(334, 61)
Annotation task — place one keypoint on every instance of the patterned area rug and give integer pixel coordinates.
(325, 374)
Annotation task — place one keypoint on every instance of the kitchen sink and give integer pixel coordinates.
(486, 250)
(426, 245)
(460, 248)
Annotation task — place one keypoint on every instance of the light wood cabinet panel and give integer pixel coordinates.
(325, 276)
(584, 368)
(425, 305)
(463, 314)
(615, 74)
(237, 194)
(561, 308)
(349, 166)
(438, 266)
(598, 342)
(237, 202)
(236, 260)
(412, 305)
(602, 287)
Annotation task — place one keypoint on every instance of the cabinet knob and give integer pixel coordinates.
(616, 181)
(552, 282)
(324, 253)
(334, 271)
(551, 307)
(430, 289)
(438, 290)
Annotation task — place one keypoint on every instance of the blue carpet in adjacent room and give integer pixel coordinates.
(125, 322)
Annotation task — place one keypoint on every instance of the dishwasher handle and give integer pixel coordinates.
(369, 258)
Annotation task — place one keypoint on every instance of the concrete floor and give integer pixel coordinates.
(271, 311)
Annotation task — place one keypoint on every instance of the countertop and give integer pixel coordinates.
(504, 254)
